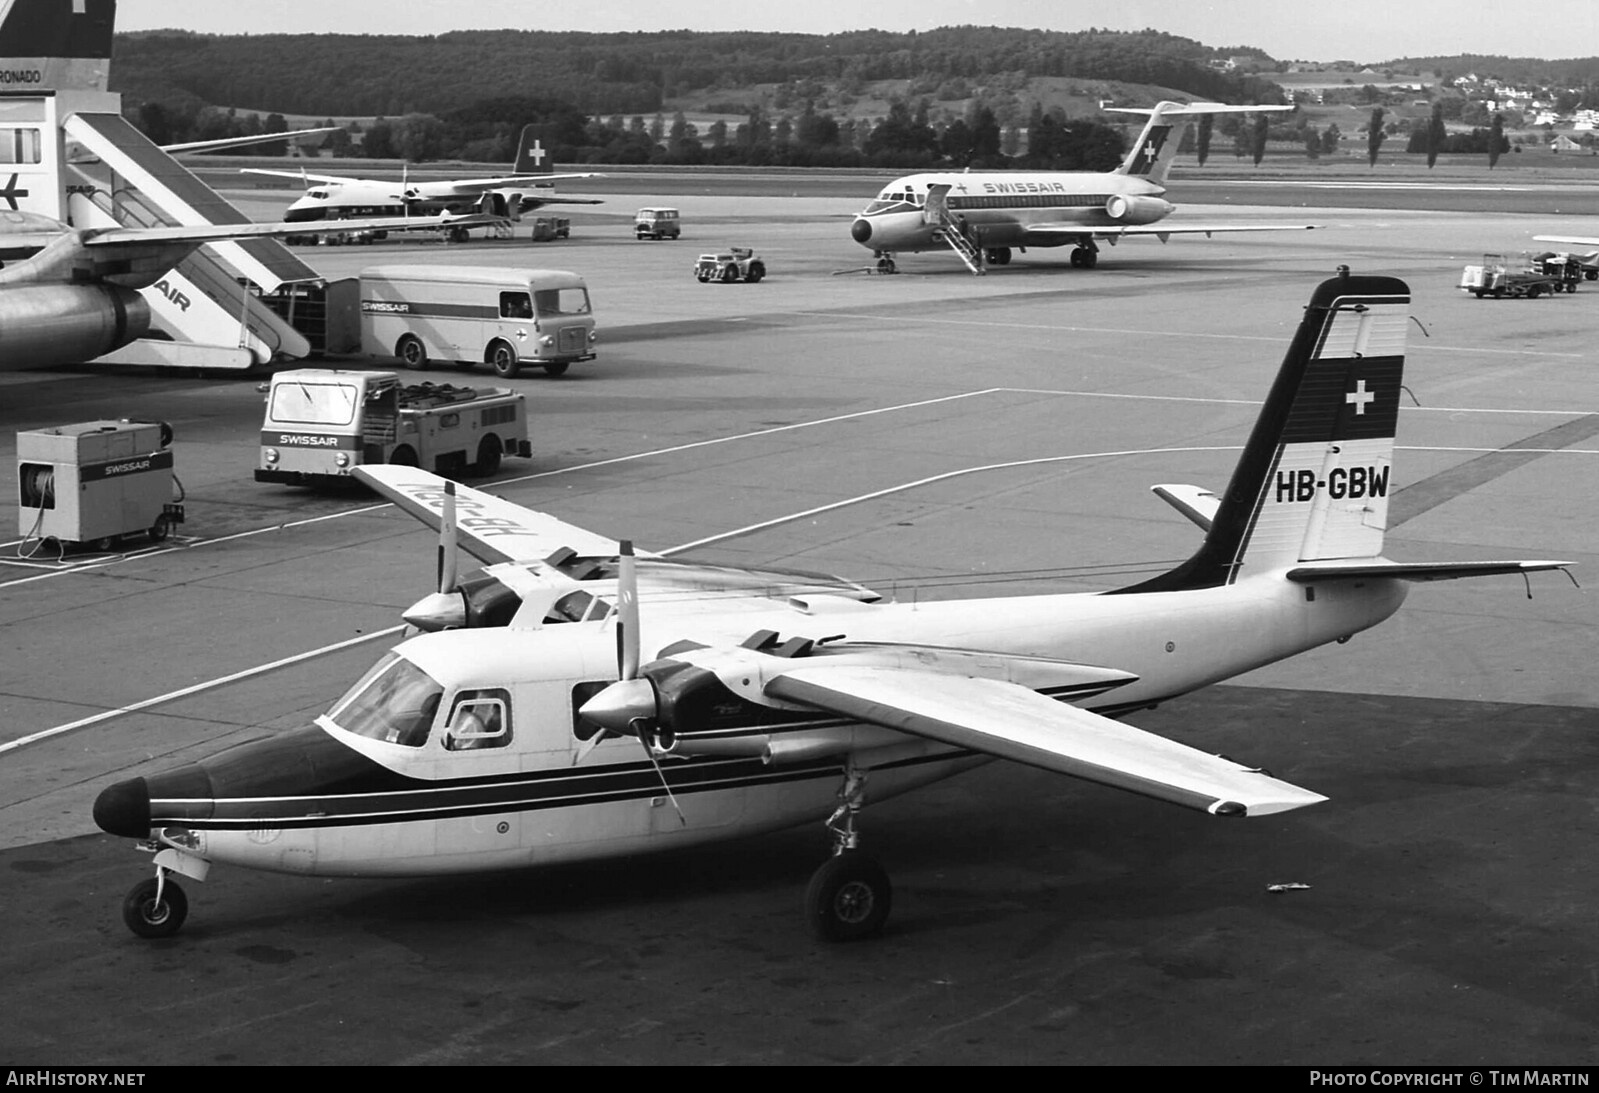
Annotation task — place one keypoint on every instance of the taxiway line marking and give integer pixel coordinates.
(923, 320)
(753, 434)
(197, 688)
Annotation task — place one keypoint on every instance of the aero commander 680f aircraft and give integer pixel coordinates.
(982, 215)
(575, 703)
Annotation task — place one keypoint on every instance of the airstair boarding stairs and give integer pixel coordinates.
(215, 321)
(936, 212)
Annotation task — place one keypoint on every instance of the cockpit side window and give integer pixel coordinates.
(395, 702)
(479, 719)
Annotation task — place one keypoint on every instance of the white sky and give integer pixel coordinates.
(1360, 30)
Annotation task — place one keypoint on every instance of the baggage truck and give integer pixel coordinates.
(470, 315)
(322, 423)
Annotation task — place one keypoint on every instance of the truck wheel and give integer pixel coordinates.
(412, 353)
(503, 359)
(488, 456)
(404, 456)
(556, 368)
(729, 274)
(757, 271)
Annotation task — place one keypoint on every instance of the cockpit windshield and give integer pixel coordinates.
(895, 201)
(394, 702)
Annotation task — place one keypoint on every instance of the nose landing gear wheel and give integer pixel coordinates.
(155, 908)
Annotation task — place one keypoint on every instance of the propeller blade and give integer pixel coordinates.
(449, 548)
(627, 621)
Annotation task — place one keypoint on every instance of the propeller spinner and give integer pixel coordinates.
(446, 608)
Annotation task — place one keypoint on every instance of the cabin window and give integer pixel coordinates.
(479, 719)
(582, 728)
(516, 305)
(395, 702)
(19, 145)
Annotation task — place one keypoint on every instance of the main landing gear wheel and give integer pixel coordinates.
(155, 908)
(997, 256)
(1084, 258)
(848, 898)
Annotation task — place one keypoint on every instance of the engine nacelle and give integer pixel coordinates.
(1132, 209)
(42, 325)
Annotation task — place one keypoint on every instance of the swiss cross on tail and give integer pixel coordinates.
(1147, 155)
(531, 158)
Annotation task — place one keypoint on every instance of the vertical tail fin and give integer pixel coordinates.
(1313, 481)
(531, 158)
(1156, 147)
(56, 45)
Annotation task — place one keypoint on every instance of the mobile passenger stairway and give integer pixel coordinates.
(217, 321)
(950, 229)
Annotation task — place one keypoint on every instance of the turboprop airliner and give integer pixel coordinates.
(577, 700)
(983, 215)
(529, 186)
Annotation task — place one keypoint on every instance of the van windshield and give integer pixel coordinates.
(561, 301)
(313, 403)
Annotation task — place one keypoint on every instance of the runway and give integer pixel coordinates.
(889, 429)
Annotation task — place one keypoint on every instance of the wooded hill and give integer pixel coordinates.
(634, 73)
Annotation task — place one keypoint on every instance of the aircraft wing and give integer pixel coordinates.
(1581, 241)
(242, 142)
(492, 529)
(1043, 235)
(465, 187)
(207, 233)
(1011, 722)
(307, 176)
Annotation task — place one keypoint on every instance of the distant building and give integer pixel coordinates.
(1564, 143)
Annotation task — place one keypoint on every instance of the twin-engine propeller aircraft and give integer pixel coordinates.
(982, 215)
(572, 701)
(69, 294)
(529, 186)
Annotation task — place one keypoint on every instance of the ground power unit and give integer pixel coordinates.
(96, 482)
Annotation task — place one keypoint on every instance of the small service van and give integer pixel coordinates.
(467, 315)
(657, 223)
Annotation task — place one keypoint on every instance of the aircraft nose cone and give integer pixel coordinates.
(861, 230)
(124, 809)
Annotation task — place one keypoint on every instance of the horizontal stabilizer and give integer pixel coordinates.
(1012, 722)
(1194, 502)
(1413, 571)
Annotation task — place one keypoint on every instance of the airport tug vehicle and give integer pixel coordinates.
(728, 266)
(575, 700)
(321, 424)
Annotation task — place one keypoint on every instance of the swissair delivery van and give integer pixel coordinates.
(467, 315)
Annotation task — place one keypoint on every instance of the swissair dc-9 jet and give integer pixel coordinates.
(983, 215)
(571, 701)
(529, 186)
